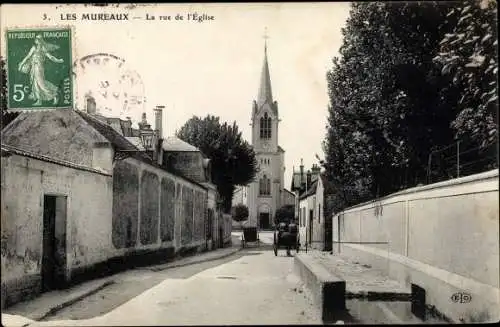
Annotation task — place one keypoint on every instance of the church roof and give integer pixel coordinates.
(265, 91)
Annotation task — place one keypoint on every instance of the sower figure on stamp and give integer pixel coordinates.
(33, 64)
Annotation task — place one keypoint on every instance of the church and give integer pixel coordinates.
(266, 193)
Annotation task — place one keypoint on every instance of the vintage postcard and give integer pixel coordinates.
(249, 163)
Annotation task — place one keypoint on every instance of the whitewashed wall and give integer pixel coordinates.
(443, 237)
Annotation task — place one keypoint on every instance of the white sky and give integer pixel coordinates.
(214, 67)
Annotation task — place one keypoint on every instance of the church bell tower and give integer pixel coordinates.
(265, 193)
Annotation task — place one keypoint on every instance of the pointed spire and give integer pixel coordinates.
(265, 92)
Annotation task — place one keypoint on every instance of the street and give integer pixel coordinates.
(250, 287)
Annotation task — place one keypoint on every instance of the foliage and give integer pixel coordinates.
(385, 112)
(284, 214)
(468, 55)
(239, 212)
(233, 158)
(6, 117)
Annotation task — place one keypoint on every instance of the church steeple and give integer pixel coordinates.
(265, 91)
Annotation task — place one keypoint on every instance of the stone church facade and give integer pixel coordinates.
(266, 193)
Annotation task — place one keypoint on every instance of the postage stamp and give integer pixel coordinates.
(39, 68)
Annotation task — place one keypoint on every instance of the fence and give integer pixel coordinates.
(460, 159)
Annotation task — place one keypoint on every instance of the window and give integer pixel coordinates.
(265, 127)
(265, 161)
(265, 186)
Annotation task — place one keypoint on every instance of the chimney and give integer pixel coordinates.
(158, 120)
(315, 169)
(90, 105)
(128, 127)
(308, 179)
(301, 171)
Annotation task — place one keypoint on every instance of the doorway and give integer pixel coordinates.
(310, 226)
(264, 220)
(54, 242)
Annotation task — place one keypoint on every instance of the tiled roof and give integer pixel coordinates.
(59, 133)
(21, 152)
(175, 144)
(136, 141)
(310, 191)
(121, 143)
(113, 136)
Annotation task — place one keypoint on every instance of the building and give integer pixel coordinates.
(80, 199)
(288, 198)
(312, 207)
(240, 196)
(265, 193)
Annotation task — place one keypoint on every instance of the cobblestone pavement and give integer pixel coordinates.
(359, 278)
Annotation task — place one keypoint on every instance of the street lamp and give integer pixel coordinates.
(147, 134)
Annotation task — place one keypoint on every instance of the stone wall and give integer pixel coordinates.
(25, 181)
(155, 210)
(443, 237)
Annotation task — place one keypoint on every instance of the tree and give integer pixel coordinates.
(285, 213)
(239, 213)
(6, 117)
(468, 56)
(233, 158)
(385, 114)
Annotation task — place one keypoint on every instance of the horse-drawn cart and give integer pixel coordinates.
(286, 236)
(250, 235)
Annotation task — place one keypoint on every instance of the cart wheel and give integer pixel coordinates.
(275, 251)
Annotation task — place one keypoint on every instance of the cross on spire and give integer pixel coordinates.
(265, 38)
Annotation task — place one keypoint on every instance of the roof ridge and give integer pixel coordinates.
(86, 116)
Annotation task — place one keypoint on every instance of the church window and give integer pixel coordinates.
(265, 186)
(265, 127)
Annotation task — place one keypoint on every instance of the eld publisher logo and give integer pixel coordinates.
(461, 297)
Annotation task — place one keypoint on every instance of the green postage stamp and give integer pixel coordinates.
(39, 68)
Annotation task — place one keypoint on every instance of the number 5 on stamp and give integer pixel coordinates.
(39, 69)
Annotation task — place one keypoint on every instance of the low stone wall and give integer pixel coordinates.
(328, 291)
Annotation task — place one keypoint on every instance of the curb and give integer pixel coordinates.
(328, 291)
(71, 301)
(177, 265)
